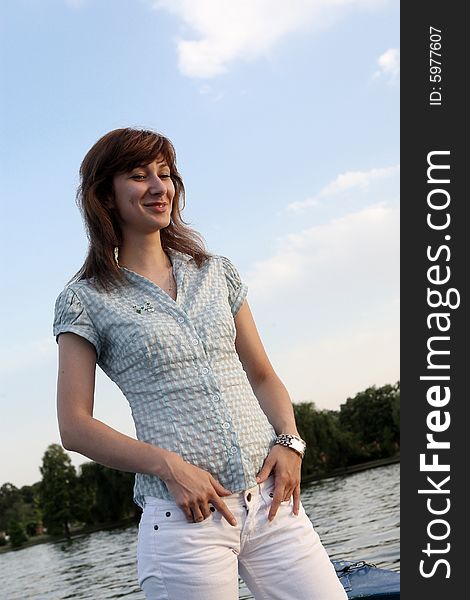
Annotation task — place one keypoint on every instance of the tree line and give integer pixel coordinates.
(366, 427)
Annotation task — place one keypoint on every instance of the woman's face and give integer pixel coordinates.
(144, 196)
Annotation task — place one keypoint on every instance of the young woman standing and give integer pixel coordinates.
(218, 455)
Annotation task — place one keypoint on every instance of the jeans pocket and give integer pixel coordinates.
(165, 514)
(267, 493)
(178, 517)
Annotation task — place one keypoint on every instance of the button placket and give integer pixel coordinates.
(187, 320)
(180, 269)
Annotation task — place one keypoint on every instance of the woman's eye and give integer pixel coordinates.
(140, 177)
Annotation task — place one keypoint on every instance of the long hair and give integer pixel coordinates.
(116, 152)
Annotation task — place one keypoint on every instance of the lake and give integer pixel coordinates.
(356, 516)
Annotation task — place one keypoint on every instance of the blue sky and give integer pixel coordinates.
(285, 119)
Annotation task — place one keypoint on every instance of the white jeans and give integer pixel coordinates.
(284, 559)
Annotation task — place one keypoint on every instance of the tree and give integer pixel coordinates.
(11, 505)
(109, 493)
(372, 416)
(57, 491)
(328, 446)
(20, 506)
(17, 534)
(32, 514)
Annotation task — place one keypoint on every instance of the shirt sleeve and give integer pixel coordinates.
(237, 290)
(70, 316)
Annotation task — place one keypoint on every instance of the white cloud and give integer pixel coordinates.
(355, 246)
(345, 182)
(326, 305)
(247, 29)
(329, 370)
(389, 65)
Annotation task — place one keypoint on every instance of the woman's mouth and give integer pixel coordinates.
(157, 206)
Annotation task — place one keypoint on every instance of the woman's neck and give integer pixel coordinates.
(144, 255)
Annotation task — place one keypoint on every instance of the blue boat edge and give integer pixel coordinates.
(365, 580)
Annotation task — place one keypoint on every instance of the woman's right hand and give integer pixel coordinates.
(193, 489)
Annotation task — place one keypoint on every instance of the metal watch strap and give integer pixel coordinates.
(293, 442)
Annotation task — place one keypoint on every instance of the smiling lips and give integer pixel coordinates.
(157, 206)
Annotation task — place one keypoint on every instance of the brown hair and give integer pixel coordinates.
(116, 152)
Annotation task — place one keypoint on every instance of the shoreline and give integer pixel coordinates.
(44, 539)
(371, 464)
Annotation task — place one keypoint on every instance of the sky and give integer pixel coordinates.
(285, 119)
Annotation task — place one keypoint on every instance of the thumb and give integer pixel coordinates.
(265, 470)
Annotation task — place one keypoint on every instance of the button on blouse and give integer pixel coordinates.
(175, 361)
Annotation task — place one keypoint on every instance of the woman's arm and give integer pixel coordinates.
(268, 388)
(274, 399)
(80, 432)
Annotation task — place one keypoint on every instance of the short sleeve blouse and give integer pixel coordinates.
(176, 363)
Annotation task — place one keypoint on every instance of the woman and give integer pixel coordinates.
(218, 483)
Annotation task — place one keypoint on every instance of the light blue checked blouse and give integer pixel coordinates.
(176, 363)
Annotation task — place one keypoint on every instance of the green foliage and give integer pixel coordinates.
(373, 419)
(19, 506)
(108, 493)
(367, 427)
(17, 534)
(328, 446)
(11, 505)
(58, 495)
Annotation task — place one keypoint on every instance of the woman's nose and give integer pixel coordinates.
(156, 185)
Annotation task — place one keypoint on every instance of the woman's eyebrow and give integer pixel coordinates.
(146, 165)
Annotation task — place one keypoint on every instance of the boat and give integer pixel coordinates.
(365, 580)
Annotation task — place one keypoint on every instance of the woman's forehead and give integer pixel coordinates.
(160, 161)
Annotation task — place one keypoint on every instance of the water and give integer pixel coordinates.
(356, 516)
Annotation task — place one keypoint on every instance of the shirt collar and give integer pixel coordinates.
(182, 256)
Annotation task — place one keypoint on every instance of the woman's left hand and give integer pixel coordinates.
(285, 465)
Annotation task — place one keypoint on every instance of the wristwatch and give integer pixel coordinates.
(293, 442)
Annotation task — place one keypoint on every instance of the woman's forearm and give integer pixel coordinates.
(274, 399)
(103, 444)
